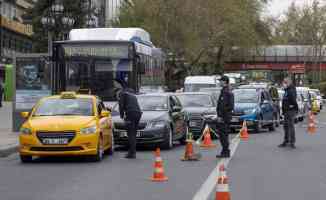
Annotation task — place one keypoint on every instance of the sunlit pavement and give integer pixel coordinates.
(258, 170)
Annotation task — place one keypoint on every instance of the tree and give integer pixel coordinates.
(73, 8)
(201, 32)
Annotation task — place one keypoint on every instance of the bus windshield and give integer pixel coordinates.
(96, 66)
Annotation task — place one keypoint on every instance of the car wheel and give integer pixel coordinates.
(258, 125)
(26, 159)
(277, 120)
(168, 142)
(100, 151)
(271, 127)
(110, 151)
(184, 137)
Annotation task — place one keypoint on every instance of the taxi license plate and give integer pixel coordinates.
(55, 141)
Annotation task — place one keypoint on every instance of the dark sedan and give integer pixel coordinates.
(163, 121)
(197, 105)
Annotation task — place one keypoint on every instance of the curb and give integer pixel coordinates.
(8, 150)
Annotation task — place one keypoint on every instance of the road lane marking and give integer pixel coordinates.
(209, 185)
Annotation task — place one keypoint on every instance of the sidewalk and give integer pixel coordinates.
(8, 139)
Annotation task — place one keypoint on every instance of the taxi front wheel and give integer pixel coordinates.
(100, 151)
(26, 159)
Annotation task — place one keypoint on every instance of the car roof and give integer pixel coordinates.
(78, 96)
(164, 94)
(192, 93)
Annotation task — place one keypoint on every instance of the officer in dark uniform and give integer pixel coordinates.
(225, 106)
(1, 93)
(290, 110)
(129, 111)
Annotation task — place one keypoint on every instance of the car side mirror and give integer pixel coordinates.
(24, 115)
(105, 113)
(176, 109)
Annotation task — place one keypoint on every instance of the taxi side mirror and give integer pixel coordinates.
(24, 114)
(105, 113)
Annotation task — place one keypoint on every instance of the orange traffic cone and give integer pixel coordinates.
(311, 124)
(222, 186)
(244, 131)
(207, 142)
(158, 175)
(189, 154)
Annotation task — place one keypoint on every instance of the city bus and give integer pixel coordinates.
(92, 59)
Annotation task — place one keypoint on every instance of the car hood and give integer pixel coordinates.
(239, 107)
(58, 123)
(146, 116)
(200, 110)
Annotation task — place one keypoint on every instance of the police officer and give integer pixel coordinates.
(225, 106)
(129, 111)
(290, 110)
(1, 93)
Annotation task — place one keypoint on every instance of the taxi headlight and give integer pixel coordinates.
(156, 124)
(25, 131)
(249, 111)
(88, 130)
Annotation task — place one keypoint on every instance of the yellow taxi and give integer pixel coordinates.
(68, 124)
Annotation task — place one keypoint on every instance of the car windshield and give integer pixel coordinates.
(245, 96)
(195, 87)
(57, 107)
(195, 100)
(153, 103)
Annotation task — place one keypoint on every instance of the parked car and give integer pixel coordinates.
(163, 121)
(302, 112)
(319, 98)
(197, 105)
(255, 106)
(214, 92)
(66, 125)
(306, 97)
(315, 105)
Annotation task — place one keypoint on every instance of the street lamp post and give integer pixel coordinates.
(54, 18)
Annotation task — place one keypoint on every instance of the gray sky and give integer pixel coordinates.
(277, 7)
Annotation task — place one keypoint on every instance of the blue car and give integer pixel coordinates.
(255, 106)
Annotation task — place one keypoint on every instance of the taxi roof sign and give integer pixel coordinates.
(68, 95)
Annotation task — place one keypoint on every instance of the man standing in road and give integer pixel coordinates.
(225, 106)
(1, 93)
(290, 110)
(129, 111)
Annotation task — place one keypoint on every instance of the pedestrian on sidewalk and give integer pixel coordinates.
(225, 106)
(290, 110)
(1, 93)
(131, 113)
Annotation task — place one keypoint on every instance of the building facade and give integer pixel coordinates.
(15, 36)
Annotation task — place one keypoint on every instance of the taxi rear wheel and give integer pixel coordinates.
(26, 159)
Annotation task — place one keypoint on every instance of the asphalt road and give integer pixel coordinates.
(115, 178)
(259, 170)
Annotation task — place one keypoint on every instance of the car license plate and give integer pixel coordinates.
(55, 141)
(235, 119)
(193, 124)
(124, 134)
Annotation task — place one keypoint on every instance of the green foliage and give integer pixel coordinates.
(201, 32)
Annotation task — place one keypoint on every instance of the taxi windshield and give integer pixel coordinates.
(60, 107)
